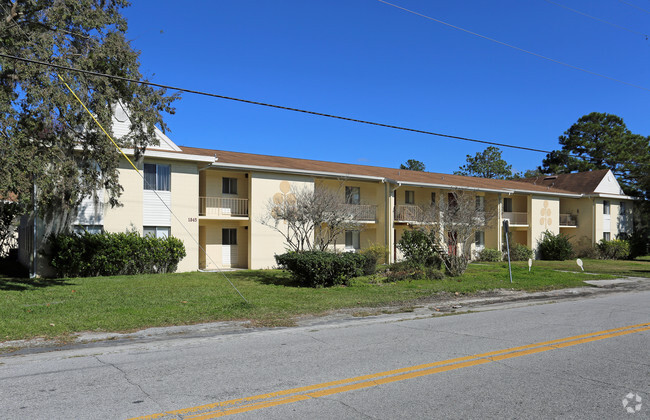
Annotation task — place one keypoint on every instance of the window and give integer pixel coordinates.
(480, 203)
(92, 229)
(229, 236)
(605, 207)
(452, 201)
(606, 236)
(156, 177)
(156, 231)
(352, 195)
(409, 197)
(479, 239)
(229, 186)
(621, 208)
(507, 205)
(433, 199)
(352, 239)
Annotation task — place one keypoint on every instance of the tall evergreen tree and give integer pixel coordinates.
(486, 164)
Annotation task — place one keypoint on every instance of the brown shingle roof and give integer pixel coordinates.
(580, 182)
(400, 175)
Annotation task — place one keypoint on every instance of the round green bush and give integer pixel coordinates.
(554, 247)
(490, 254)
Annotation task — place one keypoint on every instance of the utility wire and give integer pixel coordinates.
(147, 184)
(599, 19)
(593, 73)
(138, 172)
(230, 98)
(635, 6)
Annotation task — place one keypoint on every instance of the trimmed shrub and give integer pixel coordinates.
(520, 252)
(323, 269)
(110, 254)
(490, 254)
(554, 247)
(407, 270)
(376, 251)
(417, 247)
(616, 249)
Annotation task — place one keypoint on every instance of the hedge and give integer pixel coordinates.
(323, 269)
(110, 254)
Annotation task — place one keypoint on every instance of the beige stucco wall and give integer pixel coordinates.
(581, 208)
(185, 208)
(544, 215)
(265, 241)
(129, 215)
(211, 183)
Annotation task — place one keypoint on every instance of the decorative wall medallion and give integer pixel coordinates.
(282, 198)
(545, 212)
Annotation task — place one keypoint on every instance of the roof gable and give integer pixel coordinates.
(609, 185)
(122, 127)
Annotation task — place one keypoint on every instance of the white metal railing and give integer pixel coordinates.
(223, 206)
(568, 220)
(361, 212)
(408, 213)
(516, 218)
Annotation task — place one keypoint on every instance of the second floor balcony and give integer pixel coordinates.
(223, 207)
(516, 218)
(408, 213)
(568, 220)
(361, 212)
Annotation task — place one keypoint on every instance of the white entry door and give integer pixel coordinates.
(229, 247)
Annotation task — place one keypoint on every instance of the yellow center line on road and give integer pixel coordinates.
(256, 402)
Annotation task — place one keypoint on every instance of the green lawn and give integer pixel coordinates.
(57, 308)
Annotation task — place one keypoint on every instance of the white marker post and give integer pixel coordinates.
(579, 262)
(506, 229)
(530, 264)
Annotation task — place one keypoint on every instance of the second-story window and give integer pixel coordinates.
(507, 205)
(480, 203)
(352, 195)
(621, 208)
(605, 207)
(409, 197)
(157, 177)
(433, 199)
(229, 186)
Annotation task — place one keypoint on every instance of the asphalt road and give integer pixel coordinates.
(555, 360)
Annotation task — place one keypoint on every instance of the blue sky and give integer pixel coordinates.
(367, 60)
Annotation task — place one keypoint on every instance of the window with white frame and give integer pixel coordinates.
(161, 232)
(352, 239)
(229, 236)
(352, 195)
(480, 203)
(605, 207)
(607, 236)
(92, 229)
(157, 177)
(621, 208)
(409, 197)
(229, 186)
(479, 239)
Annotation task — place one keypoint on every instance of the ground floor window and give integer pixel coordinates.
(352, 239)
(156, 231)
(92, 229)
(606, 236)
(479, 239)
(229, 236)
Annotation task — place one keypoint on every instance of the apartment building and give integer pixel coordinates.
(215, 202)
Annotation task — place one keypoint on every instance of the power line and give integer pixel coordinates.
(599, 19)
(635, 6)
(286, 108)
(593, 73)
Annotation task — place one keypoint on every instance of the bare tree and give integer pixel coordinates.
(453, 222)
(311, 219)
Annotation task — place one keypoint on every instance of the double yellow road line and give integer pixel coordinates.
(256, 402)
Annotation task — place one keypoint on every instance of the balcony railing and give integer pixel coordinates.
(516, 218)
(223, 207)
(408, 213)
(361, 212)
(568, 220)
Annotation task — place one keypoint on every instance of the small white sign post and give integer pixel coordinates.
(506, 229)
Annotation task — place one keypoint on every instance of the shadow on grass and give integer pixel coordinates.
(15, 277)
(275, 277)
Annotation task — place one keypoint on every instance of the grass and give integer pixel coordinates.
(59, 307)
